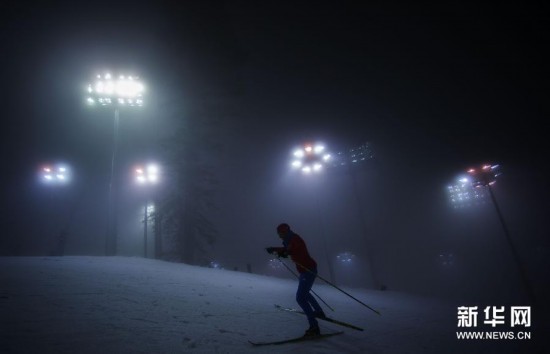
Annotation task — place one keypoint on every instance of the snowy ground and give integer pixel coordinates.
(134, 305)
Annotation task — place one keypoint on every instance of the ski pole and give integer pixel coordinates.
(337, 288)
(290, 270)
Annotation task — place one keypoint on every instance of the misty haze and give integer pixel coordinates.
(402, 144)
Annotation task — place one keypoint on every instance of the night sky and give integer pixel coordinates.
(435, 89)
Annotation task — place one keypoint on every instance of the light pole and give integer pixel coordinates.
(146, 176)
(484, 178)
(352, 159)
(117, 92)
(57, 175)
(312, 159)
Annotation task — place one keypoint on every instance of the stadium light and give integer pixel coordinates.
(147, 175)
(310, 158)
(464, 194)
(120, 91)
(55, 174)
(345, 257)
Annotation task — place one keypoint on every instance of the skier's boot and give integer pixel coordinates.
(313, 332)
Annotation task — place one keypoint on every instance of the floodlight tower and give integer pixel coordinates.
(313, 159)
(350, 160)
(56, 176)
(485, 177)
(116, 92)
(146, 176)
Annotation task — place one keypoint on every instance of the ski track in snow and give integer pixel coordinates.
(132, 305)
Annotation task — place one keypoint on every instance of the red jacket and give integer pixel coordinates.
(296, 248)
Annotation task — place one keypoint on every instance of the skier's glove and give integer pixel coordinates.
(270, 250)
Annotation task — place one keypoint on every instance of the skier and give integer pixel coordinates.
(295, 246)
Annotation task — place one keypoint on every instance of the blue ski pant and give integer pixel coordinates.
(304, 298)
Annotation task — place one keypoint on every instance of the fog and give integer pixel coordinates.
(281, 80)
(398, 214)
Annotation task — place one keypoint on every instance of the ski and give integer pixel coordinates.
(328, 319)
(295, 340)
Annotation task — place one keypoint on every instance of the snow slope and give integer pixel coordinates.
(135, 305)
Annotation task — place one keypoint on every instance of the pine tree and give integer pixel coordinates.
(189, 202)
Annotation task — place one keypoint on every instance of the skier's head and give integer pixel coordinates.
(283, 229)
